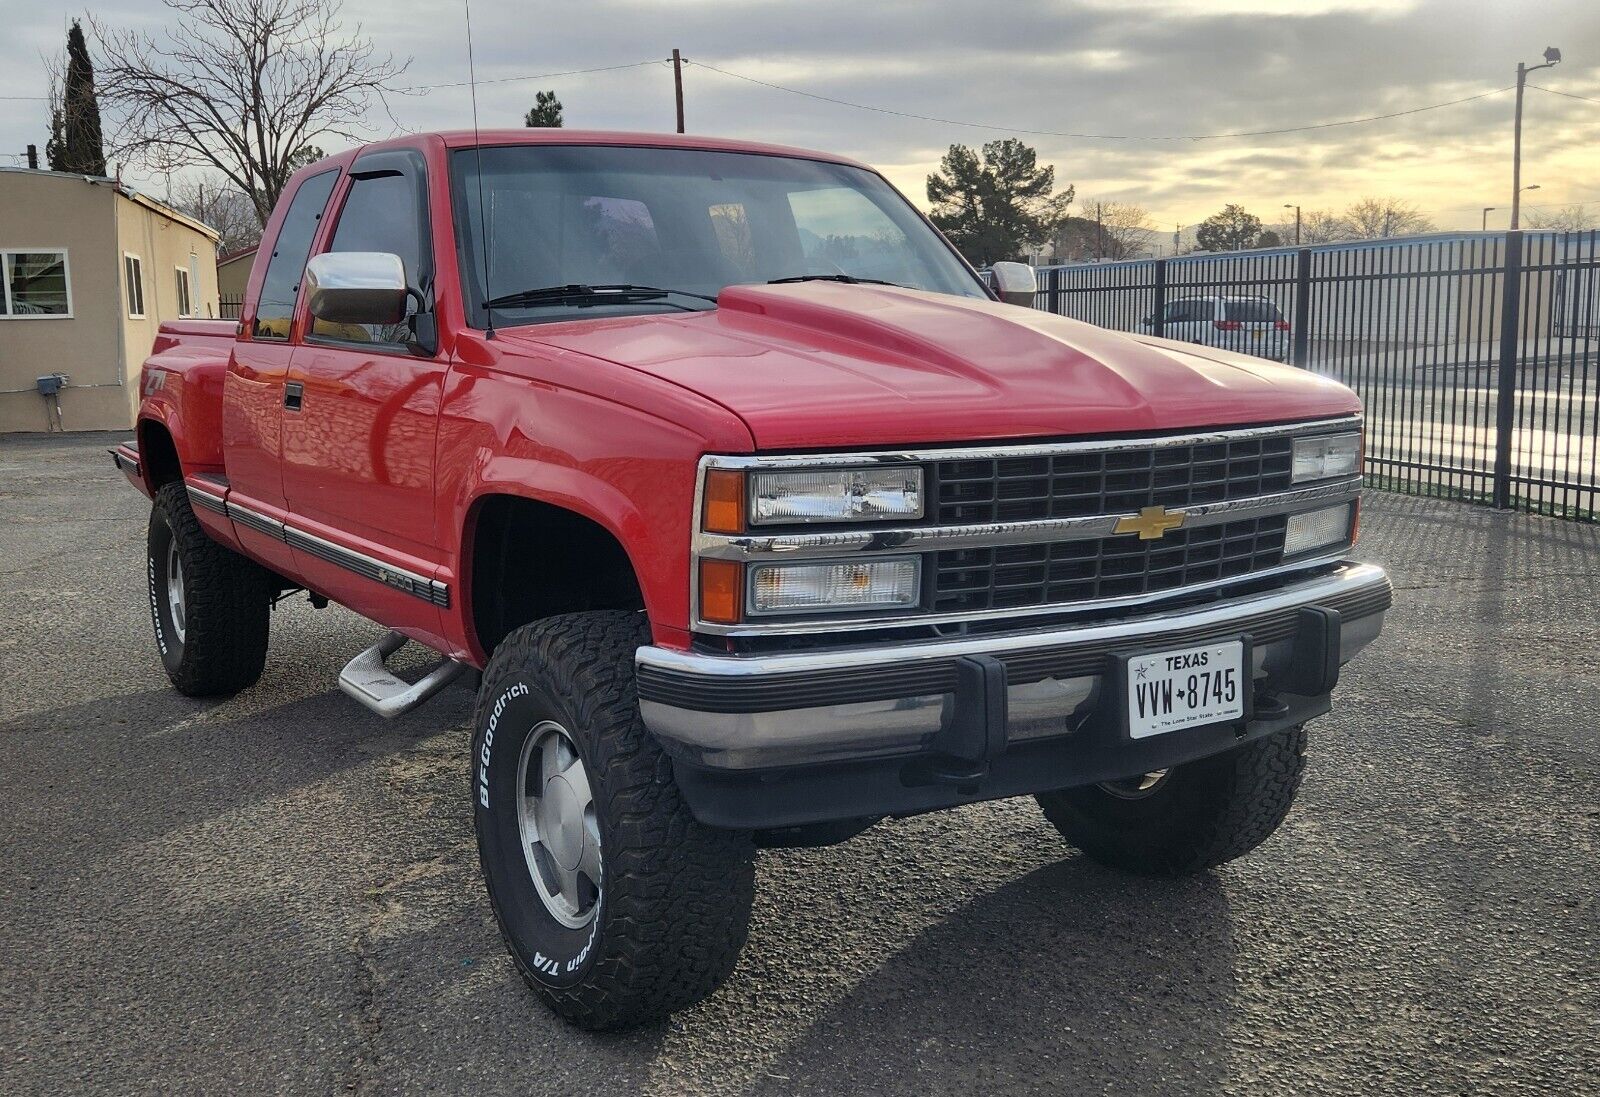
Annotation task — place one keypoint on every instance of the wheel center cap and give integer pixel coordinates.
(562, 827)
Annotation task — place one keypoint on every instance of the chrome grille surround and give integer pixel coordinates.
(1232, 486)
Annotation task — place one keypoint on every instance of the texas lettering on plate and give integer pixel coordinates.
(1185, 687)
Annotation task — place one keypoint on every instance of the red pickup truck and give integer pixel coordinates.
(757, 517)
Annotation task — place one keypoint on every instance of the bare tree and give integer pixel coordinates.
(1378, 218)
(241, 87)
(214, 201)
(1574, 218)
(1317, 226)
(1105, 230)
(1125, 228)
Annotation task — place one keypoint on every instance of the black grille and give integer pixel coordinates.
(1016, 576)
(1073, 485)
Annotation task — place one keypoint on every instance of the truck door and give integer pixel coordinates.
(253, 390)
(361, 416)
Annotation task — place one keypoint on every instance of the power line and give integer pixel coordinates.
(537, 76)
(1566, 94)
(1098, 136)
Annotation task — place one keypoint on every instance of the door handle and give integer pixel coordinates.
(293, 395)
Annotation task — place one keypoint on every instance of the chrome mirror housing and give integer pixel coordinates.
(1014, 282)
(356, 287)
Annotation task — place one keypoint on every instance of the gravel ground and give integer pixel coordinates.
(277, 893)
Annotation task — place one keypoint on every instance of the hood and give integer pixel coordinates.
(819, 365)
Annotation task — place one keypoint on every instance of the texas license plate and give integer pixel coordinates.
(1185, 687)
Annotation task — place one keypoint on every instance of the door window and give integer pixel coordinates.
(381, 212)
(275, 309)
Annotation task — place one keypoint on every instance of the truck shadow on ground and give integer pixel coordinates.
(1070, 979)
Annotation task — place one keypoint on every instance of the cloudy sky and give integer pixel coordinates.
(1137, 69)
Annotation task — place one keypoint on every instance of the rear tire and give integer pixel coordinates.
(617, 906)
(1194, 817)
(209, 606)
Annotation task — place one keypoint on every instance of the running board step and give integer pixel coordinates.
(367, 678)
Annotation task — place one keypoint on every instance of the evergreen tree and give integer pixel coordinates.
(546, 113)
(992, 207)
(80, 146)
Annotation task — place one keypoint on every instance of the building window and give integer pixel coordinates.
(133, 275)
(34, 284)
(184, 308)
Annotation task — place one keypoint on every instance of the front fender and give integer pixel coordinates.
(629, 471)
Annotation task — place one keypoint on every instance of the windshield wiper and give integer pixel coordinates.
(621, 293)
(849, 278)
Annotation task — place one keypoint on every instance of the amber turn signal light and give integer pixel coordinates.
(721, 591)
(724, 501)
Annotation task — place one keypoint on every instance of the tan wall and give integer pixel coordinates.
(233, 277)
(49, 212)
(99, 346)
(162, 245)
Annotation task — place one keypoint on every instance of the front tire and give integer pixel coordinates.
(1189, 818)
(209, 606)
(617, 906)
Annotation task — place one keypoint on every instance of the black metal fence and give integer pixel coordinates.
(1476, 355)
(228, 306)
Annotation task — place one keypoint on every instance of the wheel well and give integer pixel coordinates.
(158, 454)
(531, 560)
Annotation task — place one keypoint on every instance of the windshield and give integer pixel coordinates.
(679, 222)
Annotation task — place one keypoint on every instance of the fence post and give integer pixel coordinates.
(1158, 317)
(1053, 290)
(1506, 395)
(1302, 308)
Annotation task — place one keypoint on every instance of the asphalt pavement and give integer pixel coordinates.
(279, 892)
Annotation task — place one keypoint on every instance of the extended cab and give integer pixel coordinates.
(761, 518)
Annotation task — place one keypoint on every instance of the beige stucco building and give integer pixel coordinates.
(233, 275)
(89, 269)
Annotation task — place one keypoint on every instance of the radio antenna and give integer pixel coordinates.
(477, 146)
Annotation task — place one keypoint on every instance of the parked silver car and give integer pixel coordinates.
(1245, 324)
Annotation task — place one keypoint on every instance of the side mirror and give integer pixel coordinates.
(1014, 282)
(356, 287)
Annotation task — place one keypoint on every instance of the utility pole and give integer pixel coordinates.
(1099, 231)
(677, 87)
(1286, 205)
(1487, 210)
(1552, 56)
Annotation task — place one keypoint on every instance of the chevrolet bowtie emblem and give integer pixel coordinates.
(1151, 523)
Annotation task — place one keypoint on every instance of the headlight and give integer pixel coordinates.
(1316, 529)
(831, 588)
(1326, 456)
(835, 495)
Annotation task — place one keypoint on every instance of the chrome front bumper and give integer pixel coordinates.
(739, 714)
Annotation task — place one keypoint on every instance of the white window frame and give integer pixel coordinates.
(127, 289)
(185, 290)
(5, 285)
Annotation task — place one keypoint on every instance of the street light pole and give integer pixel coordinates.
(1487, 210)
(1288, 205)
(1552, 56)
